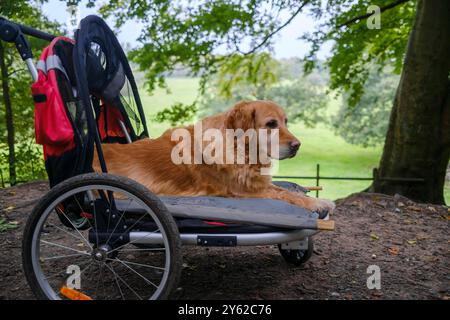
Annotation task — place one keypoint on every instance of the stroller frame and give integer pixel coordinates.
(281, 230)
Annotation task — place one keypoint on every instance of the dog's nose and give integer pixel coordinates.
(294, 145)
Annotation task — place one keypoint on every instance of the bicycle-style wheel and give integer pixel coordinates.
(99, 259)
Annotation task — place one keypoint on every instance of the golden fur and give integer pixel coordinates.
(149, 162)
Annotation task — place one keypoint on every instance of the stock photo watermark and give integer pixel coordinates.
(374, 280)
(74, 279)
(216, 147)
(374, 20)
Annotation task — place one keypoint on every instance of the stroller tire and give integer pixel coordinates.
(39, 228)
(297, 257)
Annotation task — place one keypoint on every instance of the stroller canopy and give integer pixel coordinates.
(104, 77)
(85, 93)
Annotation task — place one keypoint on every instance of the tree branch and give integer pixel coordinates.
(365, 16)
(270, 35)
(15, 71)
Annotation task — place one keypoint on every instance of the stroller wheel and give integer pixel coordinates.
(297, 257)
(111, 253)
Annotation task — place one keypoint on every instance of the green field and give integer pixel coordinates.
(320, 145)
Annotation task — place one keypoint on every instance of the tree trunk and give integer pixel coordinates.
(418, 139)
(8, 116)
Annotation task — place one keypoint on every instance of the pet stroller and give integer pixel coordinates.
(99, 236)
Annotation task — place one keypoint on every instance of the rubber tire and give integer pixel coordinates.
(125, 184)
(297, 257)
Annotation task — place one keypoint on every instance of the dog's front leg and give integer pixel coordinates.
(296, 198)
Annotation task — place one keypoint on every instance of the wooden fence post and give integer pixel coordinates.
(317, 179)
(3, 182)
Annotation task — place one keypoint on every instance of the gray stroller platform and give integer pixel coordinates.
(265, 212)
(255, 211)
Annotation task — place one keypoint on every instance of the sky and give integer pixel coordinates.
(286, 43)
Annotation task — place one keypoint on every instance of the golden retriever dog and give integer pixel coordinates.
(149, 161)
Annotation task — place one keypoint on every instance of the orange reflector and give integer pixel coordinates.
(73, 294)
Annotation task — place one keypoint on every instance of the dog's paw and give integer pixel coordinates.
(323, 205)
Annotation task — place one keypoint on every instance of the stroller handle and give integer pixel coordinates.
(14, 32)
(9, 29)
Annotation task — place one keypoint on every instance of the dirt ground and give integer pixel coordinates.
(409, 242)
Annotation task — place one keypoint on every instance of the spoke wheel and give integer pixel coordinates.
(98, 258)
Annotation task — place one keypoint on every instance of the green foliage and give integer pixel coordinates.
(303, 101)
(255, 70)
(30, 164)
(188, 33)
(303, 98)
(177, 114)
(177, 32)
(249, 72)
(5, 225)
(358, 48)
(366, 122)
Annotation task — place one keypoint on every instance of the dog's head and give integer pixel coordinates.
(268, 115)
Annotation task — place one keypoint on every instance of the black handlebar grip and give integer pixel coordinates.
(8, 31)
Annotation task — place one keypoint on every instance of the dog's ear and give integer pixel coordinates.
(242, 116)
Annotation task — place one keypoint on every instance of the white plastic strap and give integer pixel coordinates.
(52, 62)
(41, 66)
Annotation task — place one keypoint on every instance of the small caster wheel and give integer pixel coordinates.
(297, 257)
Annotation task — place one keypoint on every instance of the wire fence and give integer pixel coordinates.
(317, 177)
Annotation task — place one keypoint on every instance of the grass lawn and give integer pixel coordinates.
(336, 158)
(181, 90)
(320, 145)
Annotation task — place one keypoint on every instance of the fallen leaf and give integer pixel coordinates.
(381, 204)
(14, 223)
(333, 275)
(373, 236)
(430, 258)
(9, 208)
(422, 236)
(394, 250)
(414, 208)
(189, 267)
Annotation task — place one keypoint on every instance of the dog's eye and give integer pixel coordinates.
(272, 124)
